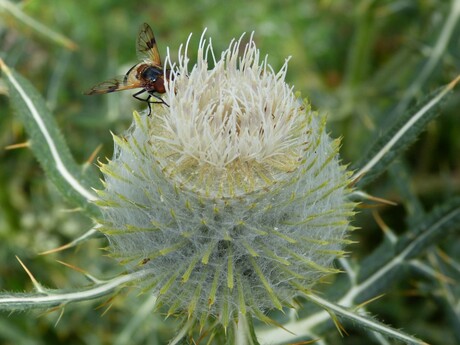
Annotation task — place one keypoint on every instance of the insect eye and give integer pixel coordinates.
(151, 73)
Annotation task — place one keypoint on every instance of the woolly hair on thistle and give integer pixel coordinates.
(233, 198)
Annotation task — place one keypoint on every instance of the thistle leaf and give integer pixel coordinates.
(397, 138)
(47, 142)
(362, 320)
(384, 266)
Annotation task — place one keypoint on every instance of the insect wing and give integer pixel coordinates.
(116, 84)
(147, 46)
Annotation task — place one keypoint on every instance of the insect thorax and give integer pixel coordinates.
(150, 73)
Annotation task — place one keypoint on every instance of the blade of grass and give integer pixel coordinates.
(16, 12)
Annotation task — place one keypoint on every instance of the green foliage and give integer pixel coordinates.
(372, 65)
(48, 145)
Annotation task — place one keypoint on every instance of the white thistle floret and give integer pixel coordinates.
(238, 113)
(233, 196)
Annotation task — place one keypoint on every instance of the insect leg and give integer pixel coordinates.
(147, 100)
(160, 100)
(139, 93)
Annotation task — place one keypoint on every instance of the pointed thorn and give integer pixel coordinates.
(55, 250)
(93, 155)
(59, 317)
(25, 144)
(108, 303)
(82, 271)
(37, 285)
(376, 199)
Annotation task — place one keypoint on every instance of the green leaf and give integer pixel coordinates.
(48, 144)
(446, 291)
(379, 270)
(403, 133)
(49, 298)
(362, 320)
(401, 178)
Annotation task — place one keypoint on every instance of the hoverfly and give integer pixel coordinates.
(147, 74)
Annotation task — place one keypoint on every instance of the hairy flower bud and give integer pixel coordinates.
(233, 197)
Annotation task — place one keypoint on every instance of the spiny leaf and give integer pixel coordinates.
(52, 298)
(48, 144)
(362, 320)
(400, 136)
(383, 266)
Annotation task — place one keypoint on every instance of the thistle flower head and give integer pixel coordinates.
(232, 198)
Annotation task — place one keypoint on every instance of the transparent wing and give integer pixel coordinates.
(147, 46)
(119, 83)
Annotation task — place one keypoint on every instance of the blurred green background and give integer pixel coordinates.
(361, 62)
